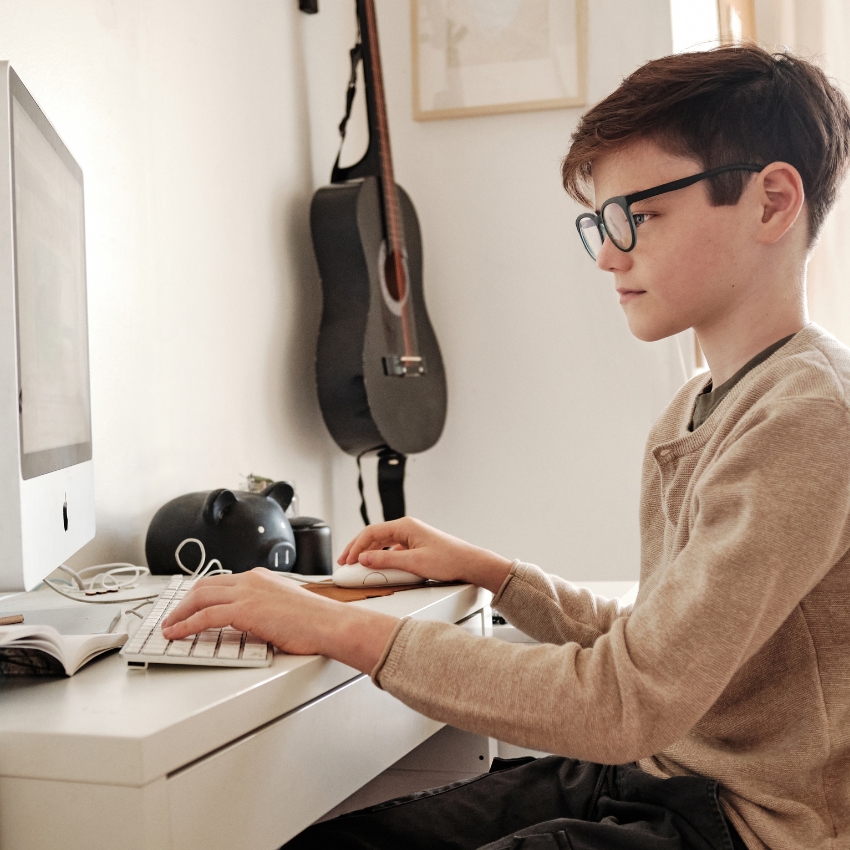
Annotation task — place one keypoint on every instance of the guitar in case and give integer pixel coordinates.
(381, 381)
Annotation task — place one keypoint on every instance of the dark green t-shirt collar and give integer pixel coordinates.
(708, 400)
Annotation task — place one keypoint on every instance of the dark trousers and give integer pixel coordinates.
(539, 804)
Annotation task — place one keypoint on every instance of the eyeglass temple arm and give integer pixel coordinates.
(689, 181)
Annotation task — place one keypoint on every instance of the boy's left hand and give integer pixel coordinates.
(257, 601)
(282, 612)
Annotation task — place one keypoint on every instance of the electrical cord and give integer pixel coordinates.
(120, 576)
(135, 611)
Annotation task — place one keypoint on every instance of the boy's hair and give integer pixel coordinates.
(723, 106)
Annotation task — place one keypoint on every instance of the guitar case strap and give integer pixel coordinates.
(390, 483)
(339, 175)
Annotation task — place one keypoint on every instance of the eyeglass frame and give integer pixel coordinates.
(625, 202)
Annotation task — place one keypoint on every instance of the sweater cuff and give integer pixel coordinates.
(376, 670)
(505, 583)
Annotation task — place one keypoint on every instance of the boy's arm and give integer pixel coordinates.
(552, 610)
(549, 609)
(770, 520)
(296, 621)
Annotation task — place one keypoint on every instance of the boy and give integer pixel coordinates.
(715, 713)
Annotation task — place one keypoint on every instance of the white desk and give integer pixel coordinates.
(207, 758)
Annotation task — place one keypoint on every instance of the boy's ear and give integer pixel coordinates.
(781, 198)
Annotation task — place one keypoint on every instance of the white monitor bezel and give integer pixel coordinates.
(46, 518)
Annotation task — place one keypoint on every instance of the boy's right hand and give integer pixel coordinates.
(427, 552)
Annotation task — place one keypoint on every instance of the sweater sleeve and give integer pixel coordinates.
(552, 610)
(770, 519)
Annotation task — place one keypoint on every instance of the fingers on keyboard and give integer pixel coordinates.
(211, 646)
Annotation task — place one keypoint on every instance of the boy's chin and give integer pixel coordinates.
(652, 332)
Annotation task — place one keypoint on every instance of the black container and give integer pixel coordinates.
(313, 548)
(241, 530)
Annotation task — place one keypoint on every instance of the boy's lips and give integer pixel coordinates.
(627, 295)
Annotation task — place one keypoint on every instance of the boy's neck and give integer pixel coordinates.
(733, 341)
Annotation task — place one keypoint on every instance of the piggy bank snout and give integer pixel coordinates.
(281, 556)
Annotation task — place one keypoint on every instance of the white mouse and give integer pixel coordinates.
(356, 575)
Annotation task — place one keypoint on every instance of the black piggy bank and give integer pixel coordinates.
(241, 530)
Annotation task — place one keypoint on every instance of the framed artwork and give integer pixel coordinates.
(483, 57)
(737, 19)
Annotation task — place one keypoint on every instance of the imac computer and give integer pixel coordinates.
(46, 477)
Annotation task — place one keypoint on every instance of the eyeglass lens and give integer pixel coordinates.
(591, 236)
(617, 226)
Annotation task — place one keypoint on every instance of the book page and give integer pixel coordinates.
(72, 651)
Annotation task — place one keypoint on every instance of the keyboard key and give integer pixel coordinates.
(230, 647)
(140, 637)
(206, 644)
(228, 651)
(204, 649)
(181, 647)
(254, 652)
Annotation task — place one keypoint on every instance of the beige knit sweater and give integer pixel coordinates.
(734, 662)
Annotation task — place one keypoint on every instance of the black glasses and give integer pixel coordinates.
(615, 219)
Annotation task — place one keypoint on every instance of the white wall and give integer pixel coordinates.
(202, 127)
(190, 123)
(695, 24)
(550, 397)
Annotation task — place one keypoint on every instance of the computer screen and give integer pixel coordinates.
(47, 509)
(53, 369)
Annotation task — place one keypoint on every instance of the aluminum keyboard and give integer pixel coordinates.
(213, 648)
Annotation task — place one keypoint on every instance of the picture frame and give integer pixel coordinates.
(487, 57)
(737, 20)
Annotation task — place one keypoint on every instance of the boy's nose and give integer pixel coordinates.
(610, 258)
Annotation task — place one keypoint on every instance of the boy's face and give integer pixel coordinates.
(692, 262)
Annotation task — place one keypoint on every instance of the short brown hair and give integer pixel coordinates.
(727, 105)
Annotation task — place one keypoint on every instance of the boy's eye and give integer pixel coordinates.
(641, 218)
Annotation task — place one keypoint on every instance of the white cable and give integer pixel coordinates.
(202, 569)
(102, 599)
(108, 579)
(121, 576)
(135, 611)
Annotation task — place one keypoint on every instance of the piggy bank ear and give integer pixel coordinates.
(217, 505)
(281, 491)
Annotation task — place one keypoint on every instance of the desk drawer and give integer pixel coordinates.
(265, 788)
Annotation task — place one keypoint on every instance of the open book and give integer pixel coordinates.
(37, 650)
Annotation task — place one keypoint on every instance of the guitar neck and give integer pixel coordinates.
(378, 126)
